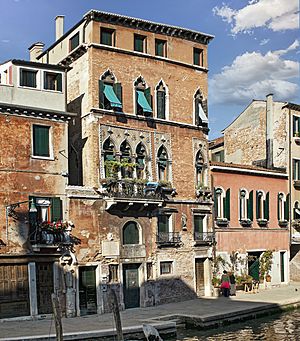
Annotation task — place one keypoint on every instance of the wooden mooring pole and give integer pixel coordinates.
(116, 311)
(57, 317)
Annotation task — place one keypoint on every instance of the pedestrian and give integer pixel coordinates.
(232, 284)
(225, 284)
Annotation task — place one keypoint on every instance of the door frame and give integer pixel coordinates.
(140, 269)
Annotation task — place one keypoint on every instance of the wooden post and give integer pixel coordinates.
(116, 311)
(57, 317)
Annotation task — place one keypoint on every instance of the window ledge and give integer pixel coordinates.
(283, 223)
(297, 183)
(49, 158)
(262, 222)
(222, 222)
(246, 222)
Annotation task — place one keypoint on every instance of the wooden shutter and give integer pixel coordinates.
(101, 94)
(227, 204)
(287, 207)
(56, 209)
(295, 119)
(118, 90)
(250, 206)
(147, 93)
(160, 96)
(278, 206)
(257, 205)
(215, 203)
(266, 207)
(59, 82)
(41, 140)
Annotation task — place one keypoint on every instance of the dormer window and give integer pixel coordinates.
(143, 98)
(110, 93)
(28, 78)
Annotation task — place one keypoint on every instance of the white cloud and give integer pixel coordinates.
(264, 42)
(253, 75)
(5, 41)
(276, 15)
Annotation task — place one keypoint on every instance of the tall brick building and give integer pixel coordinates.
(138, 159)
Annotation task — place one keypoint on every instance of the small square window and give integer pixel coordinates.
(74, 41)
(140, 43)
(198, 57)
(52, 81)
(28, 78)
(107, 36)
(41, 143)
(166, 268)
(160, 48)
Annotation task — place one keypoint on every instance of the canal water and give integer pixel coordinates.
(277, 327)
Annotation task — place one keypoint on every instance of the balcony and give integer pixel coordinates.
(204, 238)
(168, 239)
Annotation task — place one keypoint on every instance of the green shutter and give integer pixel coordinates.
(101, 94)
(287, 207)
(266, 206)
(59, 82)
(227, 204)
(198, 223)
(160, 96)
(56, 209)
(147, 93)
(163, 223)
(139, 43)
(196, 57)
(106, 37)
(257, 205)
(41, 140)
(250, 206)
(159, 48)
(278, 206)
(118, 90)
(215, 203)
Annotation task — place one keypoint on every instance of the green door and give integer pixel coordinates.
(87, 290)
(131, 285)
(282, 274)
(253, 264)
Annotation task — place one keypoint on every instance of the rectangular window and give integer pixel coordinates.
(160, 48)
(296, 169)
(198, 57)
(296, 126)
(218, 156)
(48, 209)
(140, 43)
(28, 78)
(107, 36)
(113, 273)
(52, 81)
(41, 145)
(198, 223)
(163, 223)
(166, 268)
(74, 42)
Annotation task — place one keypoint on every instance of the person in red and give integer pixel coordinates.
(225, 284)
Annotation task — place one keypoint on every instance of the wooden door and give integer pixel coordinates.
(44, 287)
(199, 274)
(131, 285)
(282, 270)
(87, 290)
(14, 291)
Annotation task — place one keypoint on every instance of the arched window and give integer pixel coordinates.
(200, 108)
(131, 233)
(283, 207)
(163, 171)
(109, 156)
(296, 211)
(126, 160)
(161, 101)
(245, 207)
(143, 98)
(140, 161)
(200, 170)
(262, 205)
(222, 204)
(110, 92)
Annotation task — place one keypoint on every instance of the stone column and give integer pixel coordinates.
(32, 289)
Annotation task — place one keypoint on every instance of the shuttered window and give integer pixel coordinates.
(41, 136)
(161, 103)
(28, 78)
(110, 96)
(227, 205)
(198, 57)
(139, 43)
(107, 36)
(160, 48)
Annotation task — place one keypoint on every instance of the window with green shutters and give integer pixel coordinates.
(48, 209)
(140, 43)
(163, 224)
(52, 81)
(74, 42)
(110, 93)
(296, 126)
(160, 48)
(226, 202)
(131, 233)
(107, 36)
(198, 223)
(250, 206)
(28, 78)
(198, 57)
(161, 101)
(41, 140)
(296, 169)
(283, 204)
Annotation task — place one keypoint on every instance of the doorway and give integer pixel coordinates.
(45, 287)
(282, 268)
(253, 264)
(199, 274)
(131, 285)
(87, 290)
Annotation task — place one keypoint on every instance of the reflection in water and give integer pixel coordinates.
(278, 327)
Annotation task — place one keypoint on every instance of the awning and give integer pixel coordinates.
(111, 96)
(202, 115)
(142, 101)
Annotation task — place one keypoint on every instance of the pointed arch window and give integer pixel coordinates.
(200, 109)
(110, 92)
(143, 98)
(200, 170)
(163, 164)
(126, 160)
(140, 161)
(161, 101)
(283, 211)
(109, 156)
(131, 233)
(296, 211)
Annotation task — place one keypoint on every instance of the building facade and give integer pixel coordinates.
(33, 170)
(251, 217)
(139, 186)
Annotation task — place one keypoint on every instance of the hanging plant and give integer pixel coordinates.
(265, 263)
(112, 168)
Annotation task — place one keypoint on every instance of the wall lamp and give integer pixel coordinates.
(10, 211)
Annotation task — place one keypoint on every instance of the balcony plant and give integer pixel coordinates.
(112, 168)
(54, 226)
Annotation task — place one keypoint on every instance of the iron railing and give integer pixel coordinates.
(168, 238)
(52, 238)
(204, 237)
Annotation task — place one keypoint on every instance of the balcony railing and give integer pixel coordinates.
(204, 237)
(168, 238)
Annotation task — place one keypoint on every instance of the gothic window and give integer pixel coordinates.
(200, 170)
(161, 101)
(163, 164)
(131, 233)
(140, 161)
(126, 160)
(143, 98)
(200, 107)
(110, 92)
(245, 206)
(262, 205)
(109, 155)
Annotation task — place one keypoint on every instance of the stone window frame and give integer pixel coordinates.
(281, 203)
(242, 204)
(167, 100)
(170, 264)
(51, 146)
(140, 232)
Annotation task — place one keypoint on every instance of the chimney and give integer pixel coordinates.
(35, 50)
(269, 130)
(59, 26)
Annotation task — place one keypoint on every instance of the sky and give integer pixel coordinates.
(255, 50)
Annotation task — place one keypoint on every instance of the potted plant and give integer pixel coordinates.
(265, 265)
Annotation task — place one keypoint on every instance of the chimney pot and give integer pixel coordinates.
(59, 26)
(35, 50)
